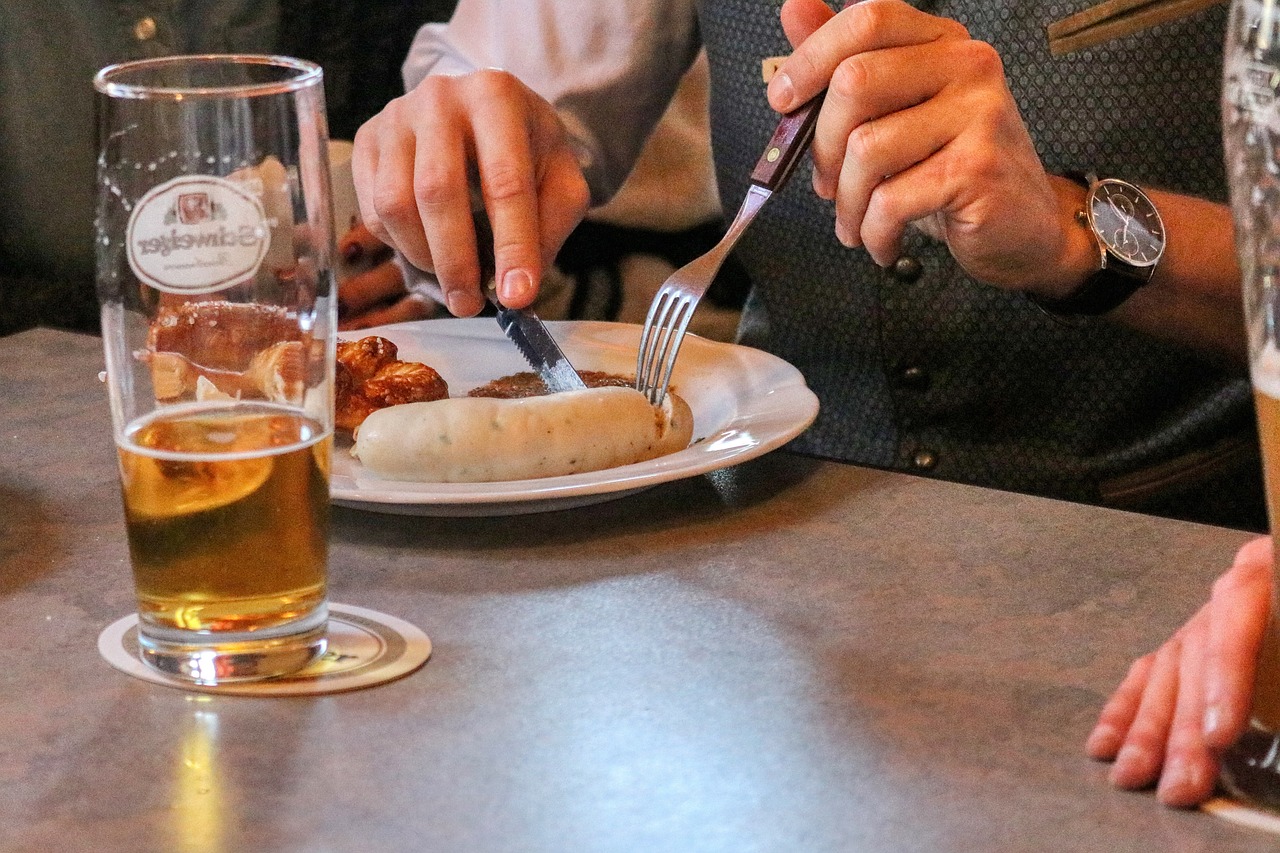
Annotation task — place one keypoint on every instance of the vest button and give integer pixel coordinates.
(145, 29)
(924, 460)
(914, 378)
(907, 269)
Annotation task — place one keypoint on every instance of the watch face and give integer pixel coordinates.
(1127, 222)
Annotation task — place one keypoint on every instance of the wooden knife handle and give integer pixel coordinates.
(788, 144)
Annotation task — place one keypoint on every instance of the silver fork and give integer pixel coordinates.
(674, 303)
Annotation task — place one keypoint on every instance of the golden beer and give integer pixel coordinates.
(227, 511)
(1266, 396)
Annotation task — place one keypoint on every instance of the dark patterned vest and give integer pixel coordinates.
(920, 368)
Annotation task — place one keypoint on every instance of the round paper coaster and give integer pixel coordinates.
(1245, 815)
(365, 648)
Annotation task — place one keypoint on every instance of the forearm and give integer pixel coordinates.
(1194, 297)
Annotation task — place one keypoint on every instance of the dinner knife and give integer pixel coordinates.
(523, 327)
(530, 335)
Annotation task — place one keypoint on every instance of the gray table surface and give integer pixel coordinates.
(785, 656)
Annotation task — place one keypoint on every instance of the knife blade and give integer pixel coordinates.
(526, 330)
(523, 327)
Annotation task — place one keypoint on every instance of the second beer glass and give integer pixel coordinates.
(1251, 137)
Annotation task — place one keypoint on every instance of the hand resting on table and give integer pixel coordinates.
(1180, 706)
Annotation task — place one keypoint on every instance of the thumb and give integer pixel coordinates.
(800, 18)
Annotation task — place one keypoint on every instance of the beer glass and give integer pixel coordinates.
(214, 247)
(1251, 137)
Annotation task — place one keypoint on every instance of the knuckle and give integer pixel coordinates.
(862, 143)
(431, 190)
(433, 89)
(366, 132)
(987, 165)
(392, 206)
(980, 58)
(953, 29)
(504, 180)
(868, 18)
(494, 81)
(851, 78)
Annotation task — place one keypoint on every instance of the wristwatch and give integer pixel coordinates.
(1131, 240)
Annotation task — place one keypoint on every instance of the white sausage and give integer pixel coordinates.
(482, 439)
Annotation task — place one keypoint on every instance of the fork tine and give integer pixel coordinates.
(654, 328)
(675, 337)
(651, 339)
(676, 302)
(646, 332)
(664, 331)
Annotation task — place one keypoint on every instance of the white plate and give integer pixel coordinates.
(745, 403)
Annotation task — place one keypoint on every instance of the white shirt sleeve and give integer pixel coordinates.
(609, 68)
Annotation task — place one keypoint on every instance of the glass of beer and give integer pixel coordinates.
(214, 270)
(1251, 137)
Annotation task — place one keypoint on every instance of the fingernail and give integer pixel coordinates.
(516, 286)
(1131, 754)
(1104, 740)
(1212, 719)
(1178, 780)
(1131, 761)
(1175, 773)
(1124, 770)
(842, 234)
(352, 252)
(782, 92)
